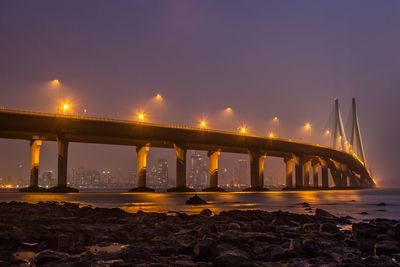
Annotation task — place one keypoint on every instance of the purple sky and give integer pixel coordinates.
(263, 58)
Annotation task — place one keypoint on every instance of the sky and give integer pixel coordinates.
(262, 58)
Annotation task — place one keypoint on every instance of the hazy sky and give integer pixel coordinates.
(263, 58)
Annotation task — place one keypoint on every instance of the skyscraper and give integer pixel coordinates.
(198, 172)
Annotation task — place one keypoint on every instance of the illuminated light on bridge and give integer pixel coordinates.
(203, 124)
(55, 83)
(308, 128)
(243, 129)
(271, 135)
(65, 107)
(141, 116)
(327, 132)
(275, 119)
(228, 110)
(159, 98)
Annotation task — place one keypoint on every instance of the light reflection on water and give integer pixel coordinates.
(350, 202)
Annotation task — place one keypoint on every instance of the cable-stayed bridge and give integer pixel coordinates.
(308, 166)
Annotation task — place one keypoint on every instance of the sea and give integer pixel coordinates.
(359, 204)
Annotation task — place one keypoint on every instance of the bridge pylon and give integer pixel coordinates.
(339, 133)
(355, 137)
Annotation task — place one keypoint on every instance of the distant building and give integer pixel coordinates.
(243, 171)
(48, 179)
(198, 171)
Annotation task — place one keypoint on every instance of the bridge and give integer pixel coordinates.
(307, 165)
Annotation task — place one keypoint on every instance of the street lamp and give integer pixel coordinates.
(141, 116)
(242, 129)
(203, 124)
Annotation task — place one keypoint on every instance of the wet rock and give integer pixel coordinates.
(50, 257)
(196, 200)
(311, 246)
(206, 213)
(203, 248)
(233, 258)
(233, 226)
(364, 213)
(381, 204)
(311, 227)
(324, 214)
(386, 248)
(329, 228)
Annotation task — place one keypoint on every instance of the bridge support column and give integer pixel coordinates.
(62, 145)
(306, 173)
(35, 161)
(180, 152)
(299, 173)
(213, 157)
(325, 176)
(289, 172)
(257, 164)
(315, 174)
(142, 152)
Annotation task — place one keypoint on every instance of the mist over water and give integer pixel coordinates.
(341, 202)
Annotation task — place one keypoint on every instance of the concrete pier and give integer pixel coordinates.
(289, 172)
(299, 173)
(306, 173)
(325, 177)
(142, 152)
(62, 152)
(180, 152)
(36, 145)
(213, 157)
(315, 166)
(257, 161)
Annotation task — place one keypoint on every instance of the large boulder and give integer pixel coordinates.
(386, 248)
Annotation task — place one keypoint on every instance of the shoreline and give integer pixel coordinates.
(62, 233)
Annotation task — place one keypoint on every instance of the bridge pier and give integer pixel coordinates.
(142, 152)
(35, 162)
(213, 157)
(257, 164)
(325, 177)
(299, 173)
(180, 152)
(62, 151)
(306, 173)
(315, 166)
(289, 172)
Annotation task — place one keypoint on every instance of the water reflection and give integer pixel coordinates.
(351, 202)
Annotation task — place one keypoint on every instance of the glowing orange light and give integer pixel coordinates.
(65, 106)
(275, 119)
(243, 129)
(327, 132)
(203, 124)
(271, 135)
(308, 125)
(228, 110)
(55, 83)
(159, 97)
(141, 116)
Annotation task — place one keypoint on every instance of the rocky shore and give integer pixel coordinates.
(65, 234)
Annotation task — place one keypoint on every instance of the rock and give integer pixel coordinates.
(324, 214)
(203, 248)
(381, 204)
(50, 257)
(233, 258)
(311, 246)
(329, 228)
(206, 213)
(276, 252)
(311, 227)
(233, 226)
(196, 200)
(364, 213)
(386, 248)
